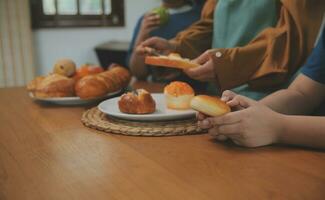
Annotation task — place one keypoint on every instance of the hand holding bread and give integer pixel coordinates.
(209, 105)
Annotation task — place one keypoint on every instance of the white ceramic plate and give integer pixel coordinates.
(162, 113)
(72, 100)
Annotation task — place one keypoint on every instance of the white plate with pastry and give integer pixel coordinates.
(66, 86)
(162, 113)
(71, 101)
(143, 106)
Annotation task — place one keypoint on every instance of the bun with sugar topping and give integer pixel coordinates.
(178, 95)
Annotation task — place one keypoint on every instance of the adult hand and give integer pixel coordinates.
(255, 125)
(205, 71)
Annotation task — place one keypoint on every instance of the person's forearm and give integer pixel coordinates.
(303, 130)
(137, 66)
(288, 102)
(141, 37)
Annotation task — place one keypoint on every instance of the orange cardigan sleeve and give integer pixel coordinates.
(276, 53)
(198, 37)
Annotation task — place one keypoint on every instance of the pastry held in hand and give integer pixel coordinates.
(140, 102)
(173, 60)
(93, 86)
(178, 95)
(209, 105)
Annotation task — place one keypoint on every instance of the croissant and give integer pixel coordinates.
(112, 80)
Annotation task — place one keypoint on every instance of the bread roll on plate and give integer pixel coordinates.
(53, 85)
(173, 60)
(178, 95)
(139, 102)
(209, 105)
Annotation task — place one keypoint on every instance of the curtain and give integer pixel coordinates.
(16, 46)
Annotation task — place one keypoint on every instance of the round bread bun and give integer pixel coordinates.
(178, 95)
(55, 85)
(140, 102)
(65, 67)
(173, 60)
(209, 105)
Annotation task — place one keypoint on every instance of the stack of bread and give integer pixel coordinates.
(86, 82)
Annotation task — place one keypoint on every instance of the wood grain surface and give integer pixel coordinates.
(46, 153)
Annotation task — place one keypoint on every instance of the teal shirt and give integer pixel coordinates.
(237, 22)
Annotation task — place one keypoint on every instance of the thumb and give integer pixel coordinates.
(203, 58)
(150, 42)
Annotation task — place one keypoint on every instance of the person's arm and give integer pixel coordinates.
(269, 58)
(255, 124)
(302, 130)
(138, 68)
(197, 38)
(302, 96)
(190, 42)
(276, 52)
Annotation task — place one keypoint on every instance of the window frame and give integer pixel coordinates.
(41, 20)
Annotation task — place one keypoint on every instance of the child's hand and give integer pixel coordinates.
(254, 126)
(154, 44)
(150, 22)
(235, 101)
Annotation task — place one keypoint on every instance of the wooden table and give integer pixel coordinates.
(46, 153)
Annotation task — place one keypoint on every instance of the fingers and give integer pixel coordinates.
(229, 118)
(203, 72)
(151, 17)
(231, 129)
(203, 58)
(227, 95)
(140, 50)
(221, 138)
(241, 101)
(205, 124)
(156, 43)
(200, 116)
(150, 42)
(213, 131)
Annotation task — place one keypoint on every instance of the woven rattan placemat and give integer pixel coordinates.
(93, 118)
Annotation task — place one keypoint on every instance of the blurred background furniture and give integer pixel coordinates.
(112, 52)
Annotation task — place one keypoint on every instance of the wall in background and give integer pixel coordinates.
(78, 43)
